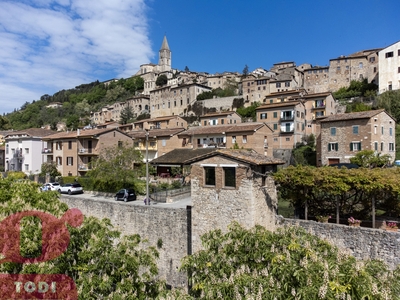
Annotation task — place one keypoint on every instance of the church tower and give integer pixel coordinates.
(164, 60)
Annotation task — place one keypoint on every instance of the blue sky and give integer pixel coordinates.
(47, 45)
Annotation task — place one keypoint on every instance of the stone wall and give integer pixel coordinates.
(171, 225)
(362, 242)
(224, 103)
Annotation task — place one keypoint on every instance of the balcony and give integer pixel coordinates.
(287, 118)
(212, 145)
(47, 151)
(83, 151)
(287, 130)
(84, 167)
(319, 106)
(142, 146)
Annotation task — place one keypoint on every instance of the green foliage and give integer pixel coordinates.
(126, 115)
(304, 155)
(352, 188)
(237, 102)
(245, 71)
(356, 89)
(287, 264)
(4, 123)
(370, 159)
(357, 107)
(228, 91)
(115, 164)
(49, 168)
(103, 263)
(161, 80)
(16, 175)
(390, 101)
(176, 184)
(249, 112)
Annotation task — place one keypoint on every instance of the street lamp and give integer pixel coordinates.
(147, 168)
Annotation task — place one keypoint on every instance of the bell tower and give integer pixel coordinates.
(164, 57)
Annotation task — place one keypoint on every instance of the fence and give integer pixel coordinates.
(165, 195)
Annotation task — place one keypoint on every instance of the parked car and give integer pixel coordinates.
(125, 194)
(71, 188)
(51, 186)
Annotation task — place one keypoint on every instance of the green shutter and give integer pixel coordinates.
(329, 147)
(351, 146)
(359, 146)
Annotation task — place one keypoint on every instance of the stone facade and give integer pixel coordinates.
(222, 118)
(316, 79)
(171, 226)
(252, 201)
(389, 68)
(361, 242)
(343, 135)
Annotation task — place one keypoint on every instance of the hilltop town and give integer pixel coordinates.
(289, 105)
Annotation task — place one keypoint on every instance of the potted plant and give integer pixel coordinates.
(391, 226)
(354, 222)
(323, 219)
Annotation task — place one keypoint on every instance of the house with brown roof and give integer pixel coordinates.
(157, 141)
(75, 150)
(24, 150)
(343, 135)
(220, 118)
(287, 120)
(160, 123)
(249, 135)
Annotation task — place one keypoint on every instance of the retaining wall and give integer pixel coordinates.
(171, 225)
(362, 242)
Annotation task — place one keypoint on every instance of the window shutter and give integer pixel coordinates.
(329, 147)
(359, 146)
(351, 146)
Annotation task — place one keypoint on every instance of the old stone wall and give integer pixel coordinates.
(360, 241)
(171, 225)
(224, 103)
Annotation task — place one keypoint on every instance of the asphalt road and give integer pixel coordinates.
(140, 200)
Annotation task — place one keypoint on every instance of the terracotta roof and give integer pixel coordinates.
(351, 116)
(156, 119)
(317, 95)
(82, 133)
(32, 132)
(224, 113)
(279, 104)
(137, 134)
(214, 129)
(189, 156)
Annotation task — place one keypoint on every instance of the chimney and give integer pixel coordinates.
(78, 132)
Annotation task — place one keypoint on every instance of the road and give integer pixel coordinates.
(140, 201)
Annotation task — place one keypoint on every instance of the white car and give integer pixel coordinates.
(52, 186)
(71, 188)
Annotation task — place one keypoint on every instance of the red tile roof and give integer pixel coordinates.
(352, 116)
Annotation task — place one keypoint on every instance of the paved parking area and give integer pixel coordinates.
(140, 200)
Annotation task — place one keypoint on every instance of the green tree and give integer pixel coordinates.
(4, 123)
(103, 263)
(161, 80)
(186, 69)
(72, 122)
(286, 264)
(115, 165)
(126, 115)
(249, 112)
(370, 159)
(245, 71)
(50, 168)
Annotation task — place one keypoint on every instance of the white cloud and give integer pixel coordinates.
(52, 45)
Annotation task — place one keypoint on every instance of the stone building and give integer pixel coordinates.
(231, 185)
(343, 135)
(160, 123)
(174, 100)
(357, 66)
(74, 151)
(316, 79)
(220, 118)
(389, 68)
(287, 120)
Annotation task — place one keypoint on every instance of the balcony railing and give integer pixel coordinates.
(287, 130)
(212, 145)
(320, 106)
(47, 150)
(287, 118)
(84, 168)
(85, 150)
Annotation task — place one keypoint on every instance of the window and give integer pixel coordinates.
(209, 175)
(382, 146)
(376, 146)
(275, 114)
(275, 126)
(229, 176)
(287, 84)
(389, 54)
(278, 84)
(333, 147)
(375, 129)
(233, 139)
(263, 116)
(355, 129)
(26, 167)
(275, 139)
(244, 139)
(271, 101)
(360, 65)
(205, 123)
(119, 144)
(382, 130)
(372, 59)
(164, 142)
(287, 139)
(391, 131)
(69, 145)
(398, 52)
(333, 131)
(26, 150)
(59, 146)
(70, 161)
(222, 122)
(355, 146)
(391, 147)
(59, 160)
(169, 105)
(7, 148)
